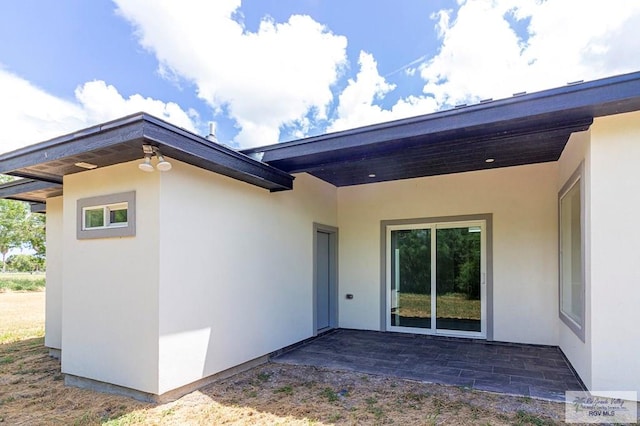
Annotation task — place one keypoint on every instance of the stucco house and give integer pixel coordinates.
(158, 281)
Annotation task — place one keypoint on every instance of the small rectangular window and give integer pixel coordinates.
(98, 217)
(572, 287)
(106, 216)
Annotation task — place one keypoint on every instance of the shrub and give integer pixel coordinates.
(25, 263)
(18, 283)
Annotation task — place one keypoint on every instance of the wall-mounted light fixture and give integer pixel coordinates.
(163, 165)
(149, 151)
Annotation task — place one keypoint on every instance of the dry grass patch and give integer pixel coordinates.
(21, 316)
(32, 392)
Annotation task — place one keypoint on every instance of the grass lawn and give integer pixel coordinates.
(10, 281)
(450, 305)
(32, 392)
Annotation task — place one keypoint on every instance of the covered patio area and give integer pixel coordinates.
(517, 369)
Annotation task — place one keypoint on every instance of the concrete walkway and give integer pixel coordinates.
(516, 369)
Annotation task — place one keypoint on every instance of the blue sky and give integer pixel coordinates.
(266, 71)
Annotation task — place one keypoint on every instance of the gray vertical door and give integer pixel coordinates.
(322, 280)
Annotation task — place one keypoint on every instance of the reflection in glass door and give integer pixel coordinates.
(411, 278)
(458, 277)
(436, 275)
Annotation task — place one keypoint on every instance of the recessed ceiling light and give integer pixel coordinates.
(86, 165)
(372, 175)
(489, 160)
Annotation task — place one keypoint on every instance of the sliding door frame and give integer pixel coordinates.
(444, 221)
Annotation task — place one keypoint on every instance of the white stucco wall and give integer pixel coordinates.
(110, 286)
(615, 251)
(236, 270)
(578, 352)
(524, 207)
(53, 304)
(220, 272)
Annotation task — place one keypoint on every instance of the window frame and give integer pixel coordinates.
(106, 216)
(385, 267)
(107, 203)
(578, 327)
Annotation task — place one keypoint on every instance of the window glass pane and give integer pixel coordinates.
(118, 216)
(571, 290)
(94, 218)
(458, 266)
(411, 278)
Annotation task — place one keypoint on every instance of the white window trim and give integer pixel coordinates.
(106, 210)
(577, 178)
(107, 203)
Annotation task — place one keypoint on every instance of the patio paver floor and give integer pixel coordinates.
(517, 369)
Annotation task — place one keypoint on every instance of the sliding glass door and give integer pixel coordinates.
(436, 276)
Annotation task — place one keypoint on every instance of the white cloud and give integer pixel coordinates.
(481, 55)
(32, 115)
(356, 105)
(476, 47)
(101, 102)
(411, 71)
(581, 40)
(267, 79)
(283, 75)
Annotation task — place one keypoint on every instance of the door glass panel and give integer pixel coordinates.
(411, 278)
(458, 276)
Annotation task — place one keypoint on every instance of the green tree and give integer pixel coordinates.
(414, 247)
(25, 263)
(19, 228)
(457, 257)
(36, 234)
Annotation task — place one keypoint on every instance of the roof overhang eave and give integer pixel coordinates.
(29, 190)
(574, 102)
(130, 133)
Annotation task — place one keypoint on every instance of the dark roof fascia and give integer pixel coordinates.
(18, 189)
(185, 146)
(608, 96)
(90, 138)
(179, 143)
(38, 207)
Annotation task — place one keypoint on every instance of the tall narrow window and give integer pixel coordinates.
(571, 256)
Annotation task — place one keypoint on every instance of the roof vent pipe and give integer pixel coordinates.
(212, 132)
